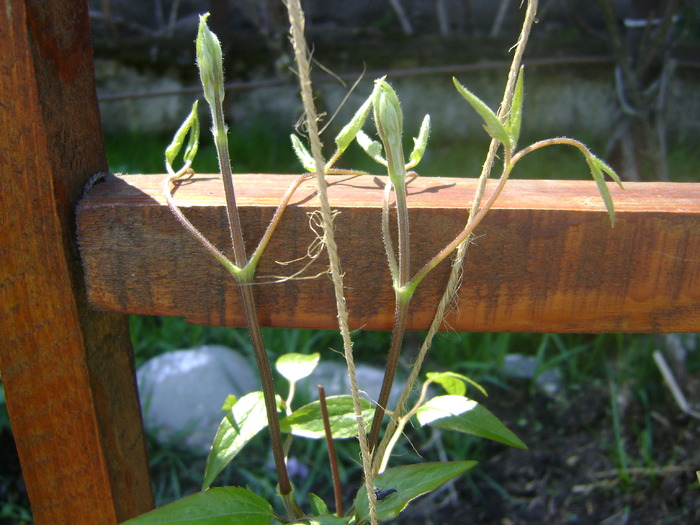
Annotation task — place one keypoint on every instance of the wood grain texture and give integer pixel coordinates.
(544, 260)
(68, 371)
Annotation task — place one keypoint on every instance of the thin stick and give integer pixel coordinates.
(296, 22)
(332, 458)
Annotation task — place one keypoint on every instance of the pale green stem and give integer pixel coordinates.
(475, 217)
(550, 142)
(225, 262)
(397, 178)
(474, 221)
(400, 425)
(255, 258)
(386, 234)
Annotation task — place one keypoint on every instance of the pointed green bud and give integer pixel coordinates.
(191, 126)
(210, 62)
(387, 112)
(492, 124)
(515, 117)
(371, 147)
(389, 121)
(306, 159)
(419, 143)
(350, 130)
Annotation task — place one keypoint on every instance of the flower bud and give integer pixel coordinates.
(210, 62)
(387, 113)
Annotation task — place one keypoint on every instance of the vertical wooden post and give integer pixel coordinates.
(68, 372)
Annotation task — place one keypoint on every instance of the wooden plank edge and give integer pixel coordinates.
(544, 260)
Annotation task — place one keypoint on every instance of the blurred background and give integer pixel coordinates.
(620, 74)
(609, 443)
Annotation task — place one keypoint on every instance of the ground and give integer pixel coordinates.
(570, 474)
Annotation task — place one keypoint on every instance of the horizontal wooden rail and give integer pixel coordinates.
(544, 260)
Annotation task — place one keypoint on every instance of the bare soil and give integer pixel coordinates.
(571, 472)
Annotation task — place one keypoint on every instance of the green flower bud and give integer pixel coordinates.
(389, 121)
(387, 112)
(210, 62)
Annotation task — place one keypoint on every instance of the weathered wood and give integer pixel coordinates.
(67, 370)
(544, 260)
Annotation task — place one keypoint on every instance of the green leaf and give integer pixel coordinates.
(303, 154)
(467, 416)
(321, 514)
(217, 506)
(294, 367)
(605, 168)
(229, 402)
(419, 143)
(307, 421)
(318, 506)
(598, 167)
(409, 481)
(492, 124)
(190, 123)
(325, 520)
(246, 419)
(373, 148)
(515, 116)
(352, 128)
(454, 383)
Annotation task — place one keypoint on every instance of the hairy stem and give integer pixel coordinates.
(247, 298)
(296, 21)
(400, 315)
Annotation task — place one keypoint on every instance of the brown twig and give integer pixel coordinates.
(332, 458)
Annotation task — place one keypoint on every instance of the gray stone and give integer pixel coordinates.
(182, 393)
(520, 366)
(333, 376)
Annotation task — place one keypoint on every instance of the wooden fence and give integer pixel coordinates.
(545, 260)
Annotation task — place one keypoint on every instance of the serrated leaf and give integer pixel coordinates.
(351, 129)
(409, 481)
(419, 143)
(303, 154)
(454, 383)
(294, 367)
(467, 416)
(492, 124)
(190, 125)
(241, 424)
(515, 116)
(217, 506)
(307, 421)
(373, 148)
